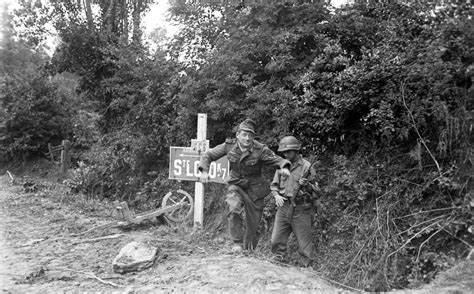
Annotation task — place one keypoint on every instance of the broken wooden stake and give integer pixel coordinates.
(123, 211)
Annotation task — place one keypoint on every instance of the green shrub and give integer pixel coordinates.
(35, 116)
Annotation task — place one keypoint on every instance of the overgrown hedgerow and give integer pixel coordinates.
(382, 94)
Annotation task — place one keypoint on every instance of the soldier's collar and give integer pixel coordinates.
(250, 149)
(298, 160)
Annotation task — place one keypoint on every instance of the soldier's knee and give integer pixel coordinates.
(233, 202)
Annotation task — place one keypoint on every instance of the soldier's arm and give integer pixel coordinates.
(270, 158)
(274, 188)
(275, 184)
(212, 155)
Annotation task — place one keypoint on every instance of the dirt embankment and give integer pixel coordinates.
(38, 254)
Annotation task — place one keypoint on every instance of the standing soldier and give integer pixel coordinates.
(294, 195)
(246, 185)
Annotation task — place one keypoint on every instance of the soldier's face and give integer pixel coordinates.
(245, 138)
(290, 155)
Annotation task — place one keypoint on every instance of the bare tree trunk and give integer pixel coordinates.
(90, 21)
(109, 17)
(125, 21)
(137, 10)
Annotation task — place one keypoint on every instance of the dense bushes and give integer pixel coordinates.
(383, 95)
(35, 110)
(35, 115)
(389, 224)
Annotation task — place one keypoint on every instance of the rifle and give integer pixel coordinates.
(297, 190)
(298, 187)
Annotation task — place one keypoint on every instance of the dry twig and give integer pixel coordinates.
(31, 242)
(419, 224)
(12, 179)
(425, 211)
(99, 227)
(88, 274)
(368, 241)
(415, 236)
(388, 222)
(98, 239)
(456, 237)
(418, 132)
(427, 240)
(106, 226)
(405, 244)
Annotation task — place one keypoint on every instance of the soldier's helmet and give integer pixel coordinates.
(289, 143)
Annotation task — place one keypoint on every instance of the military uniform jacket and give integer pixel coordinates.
(245, 165)
(286, 185)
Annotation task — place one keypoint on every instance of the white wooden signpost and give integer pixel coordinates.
(184, 163)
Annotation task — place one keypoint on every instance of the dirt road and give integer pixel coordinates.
(38, 254)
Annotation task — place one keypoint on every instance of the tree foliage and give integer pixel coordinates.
(132, 90)
(381, 93)
(34, 110)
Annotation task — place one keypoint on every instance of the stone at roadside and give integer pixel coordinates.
(134, 257)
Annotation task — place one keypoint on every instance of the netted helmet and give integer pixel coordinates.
(289, 143)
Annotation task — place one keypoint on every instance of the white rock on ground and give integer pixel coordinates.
(133, 257)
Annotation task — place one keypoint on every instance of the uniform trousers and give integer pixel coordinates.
(297, 220)
(245, 212)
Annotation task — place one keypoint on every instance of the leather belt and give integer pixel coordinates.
(249, 176)
(298, 200)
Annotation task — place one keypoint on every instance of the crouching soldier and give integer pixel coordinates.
(294, 195)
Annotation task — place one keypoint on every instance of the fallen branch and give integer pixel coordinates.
(406, 243)
(98, 239)
(414, 236)
(427, 240)
(388, 222)
(409, 182)
(105, 226)
(418, 132)
(456, 237)
(419, 224)
(91, 275)
(31, 242)
(88, 274)
(425, 211)
(367, 242)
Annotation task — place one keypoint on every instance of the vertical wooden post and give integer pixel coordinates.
(65, 157)
(198, 186)
(126, 213)
(50, 149)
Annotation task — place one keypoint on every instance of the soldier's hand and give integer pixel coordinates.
(303, 182)
(316, 187)
(204, 177)
(279, 200)
(285, 172)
